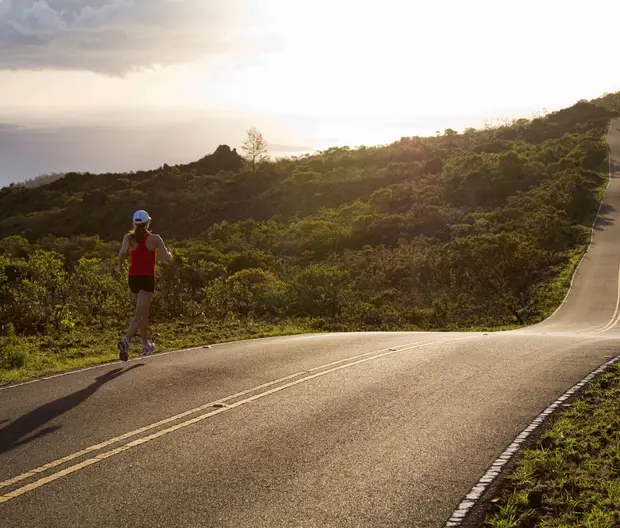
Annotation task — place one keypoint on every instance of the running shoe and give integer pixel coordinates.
(123, 349)
(147, 350)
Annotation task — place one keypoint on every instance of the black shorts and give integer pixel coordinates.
(141, 282)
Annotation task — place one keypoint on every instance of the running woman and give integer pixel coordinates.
(143, 246)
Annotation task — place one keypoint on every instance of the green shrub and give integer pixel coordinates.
(12, 355)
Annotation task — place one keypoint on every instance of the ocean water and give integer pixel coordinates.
(89, 143)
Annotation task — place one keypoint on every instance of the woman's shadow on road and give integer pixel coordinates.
(16, 433)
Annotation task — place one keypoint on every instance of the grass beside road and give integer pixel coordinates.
(23, 358)
(570, 477)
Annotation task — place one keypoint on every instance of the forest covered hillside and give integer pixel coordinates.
(474, 229)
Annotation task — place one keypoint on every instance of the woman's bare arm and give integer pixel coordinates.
(163, 253)
(122, 254)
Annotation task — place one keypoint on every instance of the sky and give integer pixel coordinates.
(121, 85)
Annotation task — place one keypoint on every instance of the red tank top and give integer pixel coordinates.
(142, 260)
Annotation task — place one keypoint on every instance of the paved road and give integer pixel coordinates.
(337, 430)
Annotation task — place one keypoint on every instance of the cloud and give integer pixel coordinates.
(114, 37)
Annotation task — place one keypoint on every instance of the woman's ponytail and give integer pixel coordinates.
(138, 233)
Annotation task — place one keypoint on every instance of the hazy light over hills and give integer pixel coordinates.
(109, 85)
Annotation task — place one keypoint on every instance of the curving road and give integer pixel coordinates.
(330, 430)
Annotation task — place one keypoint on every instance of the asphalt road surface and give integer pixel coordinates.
(330, 430)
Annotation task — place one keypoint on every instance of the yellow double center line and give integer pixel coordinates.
(222, 407)
(615, 318)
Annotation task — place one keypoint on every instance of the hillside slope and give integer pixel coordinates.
(480, 229)
(187, 199)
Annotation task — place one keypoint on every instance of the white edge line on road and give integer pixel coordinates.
(101, 365)
(139, 441)
(191, 349)
(616, 316)
(97, 447)
(572, 280)
(160, 354)
(459, 514)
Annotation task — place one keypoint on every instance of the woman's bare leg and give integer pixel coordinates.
(146, 298)
(142, 312)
